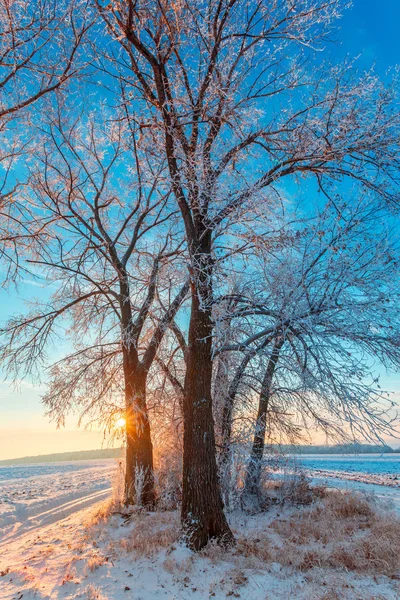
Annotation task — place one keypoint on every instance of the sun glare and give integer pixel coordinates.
(120, 423)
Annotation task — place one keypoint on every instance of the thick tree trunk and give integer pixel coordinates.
(139, 477)
(253, 473)
(203, 516)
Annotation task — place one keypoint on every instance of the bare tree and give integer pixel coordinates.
(42, 49)
(212, 77)
(102, 235)
(325, 312)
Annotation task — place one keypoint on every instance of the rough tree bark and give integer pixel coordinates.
(139, 448)
(203, 516)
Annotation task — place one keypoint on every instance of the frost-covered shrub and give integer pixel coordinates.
(168, 478)
(296, 490)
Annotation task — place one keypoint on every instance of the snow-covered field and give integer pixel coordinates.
(377, 474)
(53, 547)
(380, 469)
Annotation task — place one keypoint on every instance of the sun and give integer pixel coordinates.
(120, 423)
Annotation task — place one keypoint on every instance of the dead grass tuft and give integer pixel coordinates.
(112, 505)
(96, 561)
(378, 551)
(296, 490)
(94, 593)
(293, 490)
(336, 518)
(257, 545)
(152, 532)
(349, 505)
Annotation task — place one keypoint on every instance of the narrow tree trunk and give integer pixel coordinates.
(225, 450)
(229, 404)
(139, 478)
(203, 516)
(225, 454)
(222, 367)
(253, 473)
(227, 411)
(221, 384)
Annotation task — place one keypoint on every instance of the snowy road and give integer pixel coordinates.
(33, 502)
(61, 511)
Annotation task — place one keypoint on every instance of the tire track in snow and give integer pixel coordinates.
(55, 514)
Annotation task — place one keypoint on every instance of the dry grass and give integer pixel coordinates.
(345, 531)
(94, 593)
(337, 517)
(96, 561)
(296, 490)
(112, 505)
(339, 531)
(292, 490)
(70, 575)
(258, 545)
(152, 532)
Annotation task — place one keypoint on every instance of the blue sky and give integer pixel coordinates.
(370, 29)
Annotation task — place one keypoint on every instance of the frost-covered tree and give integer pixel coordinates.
(222, 109)
(43, 47)
(239, 105)
(312, 323)
(102, 236)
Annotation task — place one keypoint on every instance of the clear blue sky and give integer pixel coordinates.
(370, 28)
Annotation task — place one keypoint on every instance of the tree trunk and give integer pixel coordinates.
(225, 454)
(253, 473)
(203, 516)
(221, 384)
(225, 450)
(139, 477)
(229, 405)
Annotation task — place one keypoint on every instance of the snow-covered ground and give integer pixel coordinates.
(140, 560)
(52, 546)
(32, 496)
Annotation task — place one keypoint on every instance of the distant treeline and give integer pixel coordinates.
(64, 457)
(339, 449)
(117, 453)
